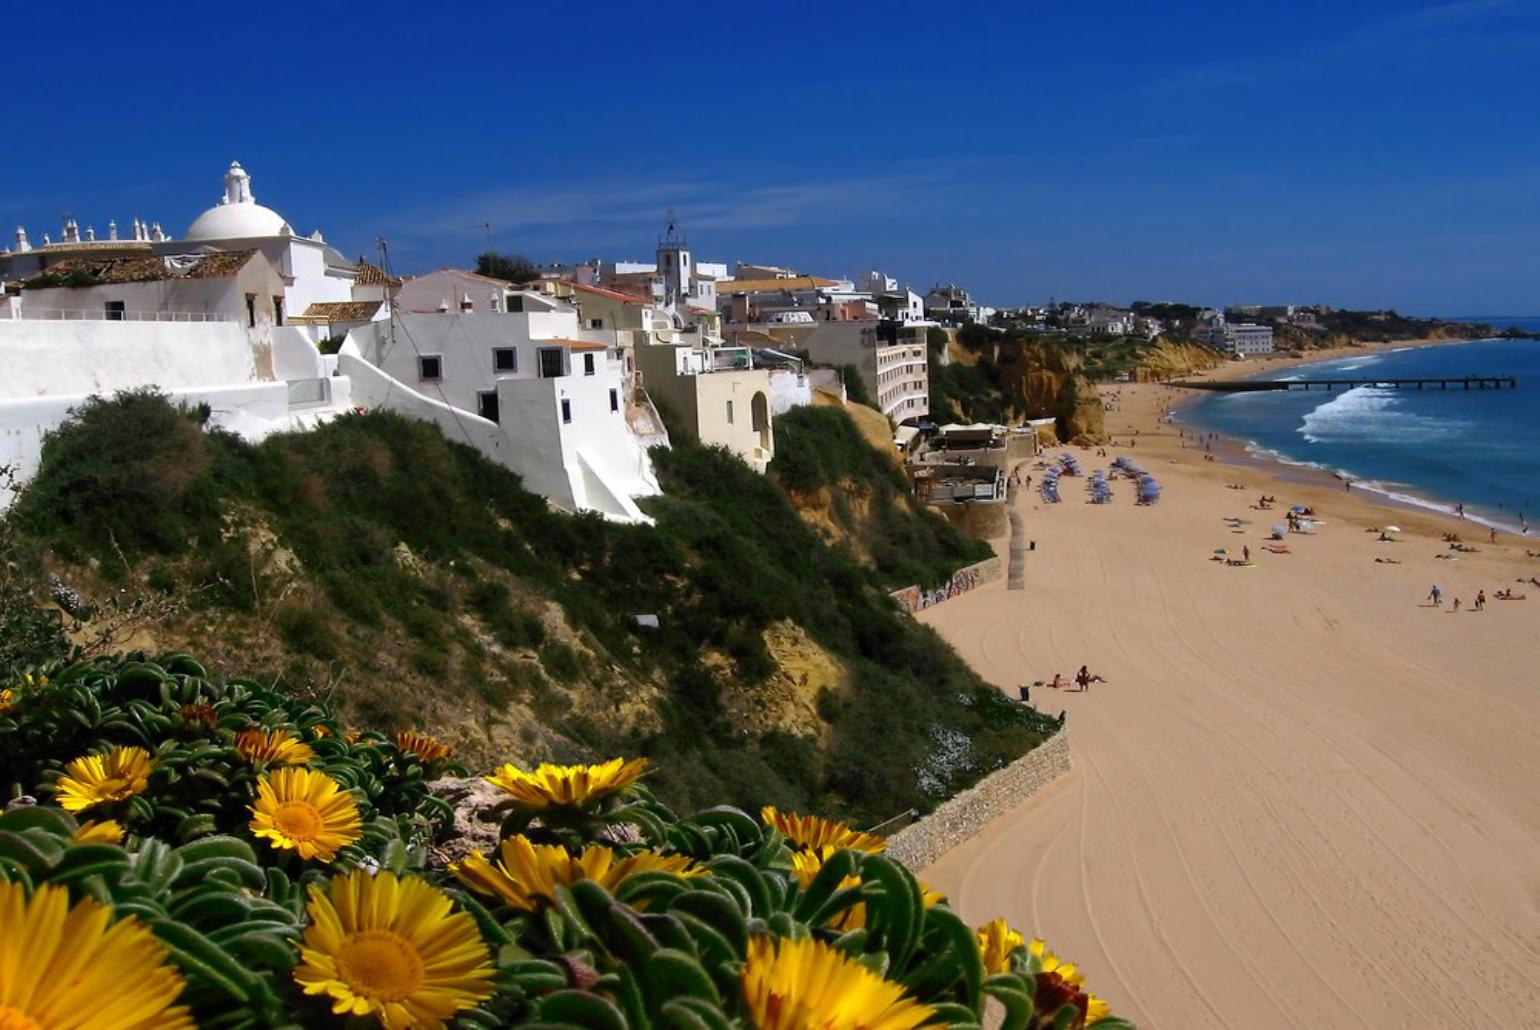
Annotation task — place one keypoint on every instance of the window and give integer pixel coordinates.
(551, 362)
(596, 323)
(505, 359)
(515, 303)
(431, 367)
(729, 412)
(115, 310)
(251, 310)
(278, 311)
(566, 411)
(588, 364)
(486, 405)
(614, 400)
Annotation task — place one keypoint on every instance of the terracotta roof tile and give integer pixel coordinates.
(148, 268)
(372, 275)
(339, 311)
(801, 282)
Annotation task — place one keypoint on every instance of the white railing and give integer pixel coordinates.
(100, 315)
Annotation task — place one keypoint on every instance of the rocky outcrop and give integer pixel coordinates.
(1167, 359)
(1042, 379)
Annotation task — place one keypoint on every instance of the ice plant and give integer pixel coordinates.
(567, 785)
(526, 875)
(392, 949)
(997, 942)
(274, 747)
(806, 865)
(65, 966)
(794, 984)
(307, 811)
(814, 833)
(420, 744)
(92, 832)
(98, 779)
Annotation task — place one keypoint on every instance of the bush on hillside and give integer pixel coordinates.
(405, 534)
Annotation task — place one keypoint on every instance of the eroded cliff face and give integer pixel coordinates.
(1167, 359)
(1042, 379)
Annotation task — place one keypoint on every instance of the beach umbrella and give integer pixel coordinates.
(1392, 529)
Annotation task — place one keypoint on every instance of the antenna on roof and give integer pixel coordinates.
(486, 228)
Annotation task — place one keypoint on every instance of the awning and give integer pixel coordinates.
(904, 435)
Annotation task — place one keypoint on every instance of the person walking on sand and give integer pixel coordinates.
(1436, 596)
(1083, 678)
(1481, 600)
(1456, 604)
(1491, 536)
(1245, 552)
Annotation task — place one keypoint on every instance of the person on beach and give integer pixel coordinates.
(1246, 552)
(1436, 596)
(1492, 536)
(1347, 484)
(1456, 604)
(1058, 682)
(1481, 600)
(1459, 509)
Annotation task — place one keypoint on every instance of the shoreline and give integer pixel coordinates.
(1245, 454)
(1296, 764)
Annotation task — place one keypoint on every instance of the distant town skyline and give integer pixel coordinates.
(1213, 153)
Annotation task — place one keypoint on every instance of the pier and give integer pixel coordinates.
(1257, 385)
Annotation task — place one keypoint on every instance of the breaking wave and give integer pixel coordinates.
(1374, 414)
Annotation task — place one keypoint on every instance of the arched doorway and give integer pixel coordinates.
(759, 410)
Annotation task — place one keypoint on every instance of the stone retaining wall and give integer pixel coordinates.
(912, 599)
(954, 821)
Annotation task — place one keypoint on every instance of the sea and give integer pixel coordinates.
(1428, 448)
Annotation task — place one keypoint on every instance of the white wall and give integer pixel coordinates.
(789, 390)
(47, 358)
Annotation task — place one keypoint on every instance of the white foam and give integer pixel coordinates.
(1375, 415)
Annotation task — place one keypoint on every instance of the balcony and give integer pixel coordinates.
(101, 315)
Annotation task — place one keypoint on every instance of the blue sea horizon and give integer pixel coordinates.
(1430, 448)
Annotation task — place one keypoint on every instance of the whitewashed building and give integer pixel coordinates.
(530, 389)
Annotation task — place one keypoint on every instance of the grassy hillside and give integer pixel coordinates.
(411, 583)
(859, 498)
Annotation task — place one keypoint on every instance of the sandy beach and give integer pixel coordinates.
(1304, 796)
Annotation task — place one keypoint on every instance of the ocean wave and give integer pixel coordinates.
(1374, 414)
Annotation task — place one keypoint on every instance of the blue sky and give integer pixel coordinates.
(1362, 154)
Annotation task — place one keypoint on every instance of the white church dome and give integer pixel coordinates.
(237, 216)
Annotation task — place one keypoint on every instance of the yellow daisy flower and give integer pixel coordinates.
(526, 875)
(1060, 983)
(793, 985)
(92, 832)
(63, 965)
(420, 744)
(7, 700)
(275, 747)
(567, 785)
(810, 831)
(199, 714)
(98, 779)
(392, 949)
(305, 810)
(997, 941)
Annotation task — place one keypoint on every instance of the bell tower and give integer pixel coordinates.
(674, 262)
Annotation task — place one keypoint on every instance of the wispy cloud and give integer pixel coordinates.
(1389, 41)
(593, 210)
